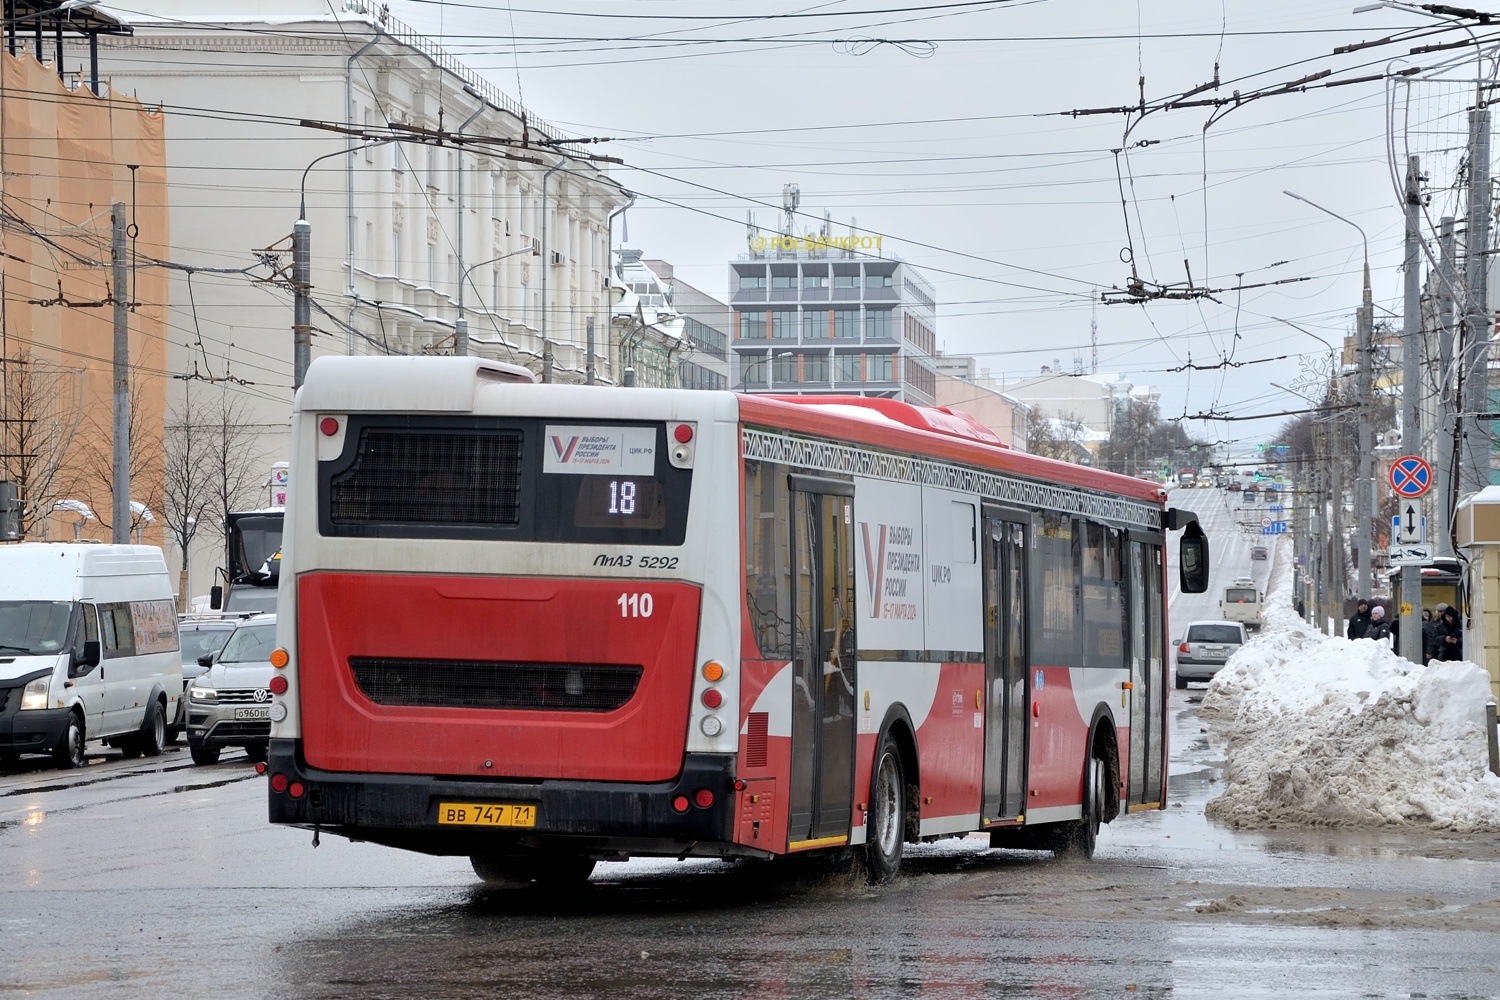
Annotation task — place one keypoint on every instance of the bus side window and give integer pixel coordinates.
(119, 633)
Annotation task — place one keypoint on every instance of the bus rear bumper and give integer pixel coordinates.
(596, 817)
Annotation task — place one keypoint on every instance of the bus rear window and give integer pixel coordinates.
(1236, 595)
(506, 479)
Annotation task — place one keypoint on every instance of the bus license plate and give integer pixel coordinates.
(258, 712)
(485, 814)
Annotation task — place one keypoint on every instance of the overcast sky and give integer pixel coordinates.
(940, 126)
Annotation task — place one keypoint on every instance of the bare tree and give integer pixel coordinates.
(188, 486)
(41, 407)
(1060, 439)
(235, 463)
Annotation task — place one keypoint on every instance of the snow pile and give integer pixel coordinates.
(1325, 731)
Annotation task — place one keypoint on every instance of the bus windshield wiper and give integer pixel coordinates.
(18, 649)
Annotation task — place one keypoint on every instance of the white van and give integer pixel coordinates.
(88, 649)
(1242, 603)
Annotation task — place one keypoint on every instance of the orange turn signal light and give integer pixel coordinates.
(280, 658)
(713, 671)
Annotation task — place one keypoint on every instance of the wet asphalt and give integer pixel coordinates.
(155, 878)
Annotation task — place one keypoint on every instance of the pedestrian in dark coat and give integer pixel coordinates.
(1379, 629)
(1360, 622)
(1449, 644)
(1429, 626)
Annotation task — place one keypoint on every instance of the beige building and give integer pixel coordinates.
(960, 387)
(1092, 399)
(65, 157)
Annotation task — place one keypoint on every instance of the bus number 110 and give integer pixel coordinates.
(635, 605)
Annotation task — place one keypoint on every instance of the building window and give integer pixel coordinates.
(784, 324)
(877, 281)
(846, 368)
(846, 281)
(785, 369)
(752, 281)
(752, 325)
(369, 124)
(815, 324)
(815, 281)
(396, 251)
(846, 323)
(782, 281)
(693, 376)
(705, 338)
(815, 368)
(431, 266)
(878, 367)
(878, 324)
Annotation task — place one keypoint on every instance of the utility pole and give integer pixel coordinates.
(1476, 437)
(120, 530)
(1364, 486)
(301, 308)
(1410, 612)
(1447, 283)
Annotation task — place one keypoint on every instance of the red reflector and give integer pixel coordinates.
(329, 426)
(712, 698)
(260, 768)
(278, 684)
(1036, 710)
(739, 784)
(680, 803)
(683, 433)
(704, 798)
(278, 782)
(295, 790)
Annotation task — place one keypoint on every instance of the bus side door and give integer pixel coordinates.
(823, 652)
(1005, 669)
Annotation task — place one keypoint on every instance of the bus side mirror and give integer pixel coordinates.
(86, 660)
(216, 597)
(1192, 559)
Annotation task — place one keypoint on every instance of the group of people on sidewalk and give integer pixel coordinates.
(1442, 633)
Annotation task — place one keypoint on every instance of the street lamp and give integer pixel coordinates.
(770, 375)
(302, 270)
(461, 324)
(1364, 506)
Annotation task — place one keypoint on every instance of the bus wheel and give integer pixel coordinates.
(1078, 838)
(514, 871)
(886, 828)
(153, 735)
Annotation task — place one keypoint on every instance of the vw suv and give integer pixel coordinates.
(229, 704)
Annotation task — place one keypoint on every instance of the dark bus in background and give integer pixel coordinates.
(252, 567)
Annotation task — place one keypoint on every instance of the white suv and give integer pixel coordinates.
(229, 704)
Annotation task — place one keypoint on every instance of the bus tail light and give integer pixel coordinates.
(680, 804)
(704, 798)
(278, 782)
(295, 789)
(260, 767)
(711, 726)
(278, 684)
(713, 698)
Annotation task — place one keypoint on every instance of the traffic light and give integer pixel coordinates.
(1257, 475)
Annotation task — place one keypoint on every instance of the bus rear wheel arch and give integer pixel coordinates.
(1100, 795)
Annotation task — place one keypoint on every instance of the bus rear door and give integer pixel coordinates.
(1005, 665)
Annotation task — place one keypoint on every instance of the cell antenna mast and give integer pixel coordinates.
(791, 197)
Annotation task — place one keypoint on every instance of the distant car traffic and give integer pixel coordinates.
(229, 704)
(1203, 651)
(1259, 552)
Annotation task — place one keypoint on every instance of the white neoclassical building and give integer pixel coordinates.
(521, 216)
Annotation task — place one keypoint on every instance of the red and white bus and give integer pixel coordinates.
(547, 625)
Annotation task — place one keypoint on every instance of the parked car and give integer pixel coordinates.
(229, 704)
(200, 635)
(1202, 652)
(1259, 552)
(88, 649)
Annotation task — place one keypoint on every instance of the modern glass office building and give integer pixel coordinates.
(830, 315)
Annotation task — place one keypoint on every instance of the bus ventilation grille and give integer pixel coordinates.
(755, 739)
(558, 687)
(402, 476)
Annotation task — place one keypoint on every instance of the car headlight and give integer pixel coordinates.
(203, 694)
(34, 695)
